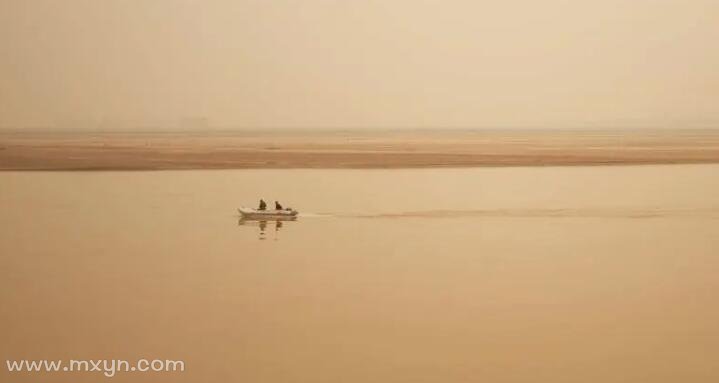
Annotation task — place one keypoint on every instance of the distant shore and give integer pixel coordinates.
(253, 150)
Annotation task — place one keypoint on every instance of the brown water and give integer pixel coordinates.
(600, 274)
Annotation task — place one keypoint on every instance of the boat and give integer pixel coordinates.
(250, 213)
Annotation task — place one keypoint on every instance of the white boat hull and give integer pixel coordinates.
(247, 212)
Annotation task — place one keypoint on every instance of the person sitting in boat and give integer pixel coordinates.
(263, 205)
(278, 206)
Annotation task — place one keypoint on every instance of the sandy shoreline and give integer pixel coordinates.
(246, 150)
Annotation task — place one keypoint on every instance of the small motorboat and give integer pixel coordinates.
(250, 213)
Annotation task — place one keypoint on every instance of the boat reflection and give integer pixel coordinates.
(262, 224)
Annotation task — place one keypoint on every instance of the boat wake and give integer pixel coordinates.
(637, 213)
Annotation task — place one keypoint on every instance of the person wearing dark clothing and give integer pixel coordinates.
(278, 206)
(263, 205)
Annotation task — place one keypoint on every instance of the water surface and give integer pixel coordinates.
(598, 274)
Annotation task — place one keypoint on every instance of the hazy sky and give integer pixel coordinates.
(389, 63)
